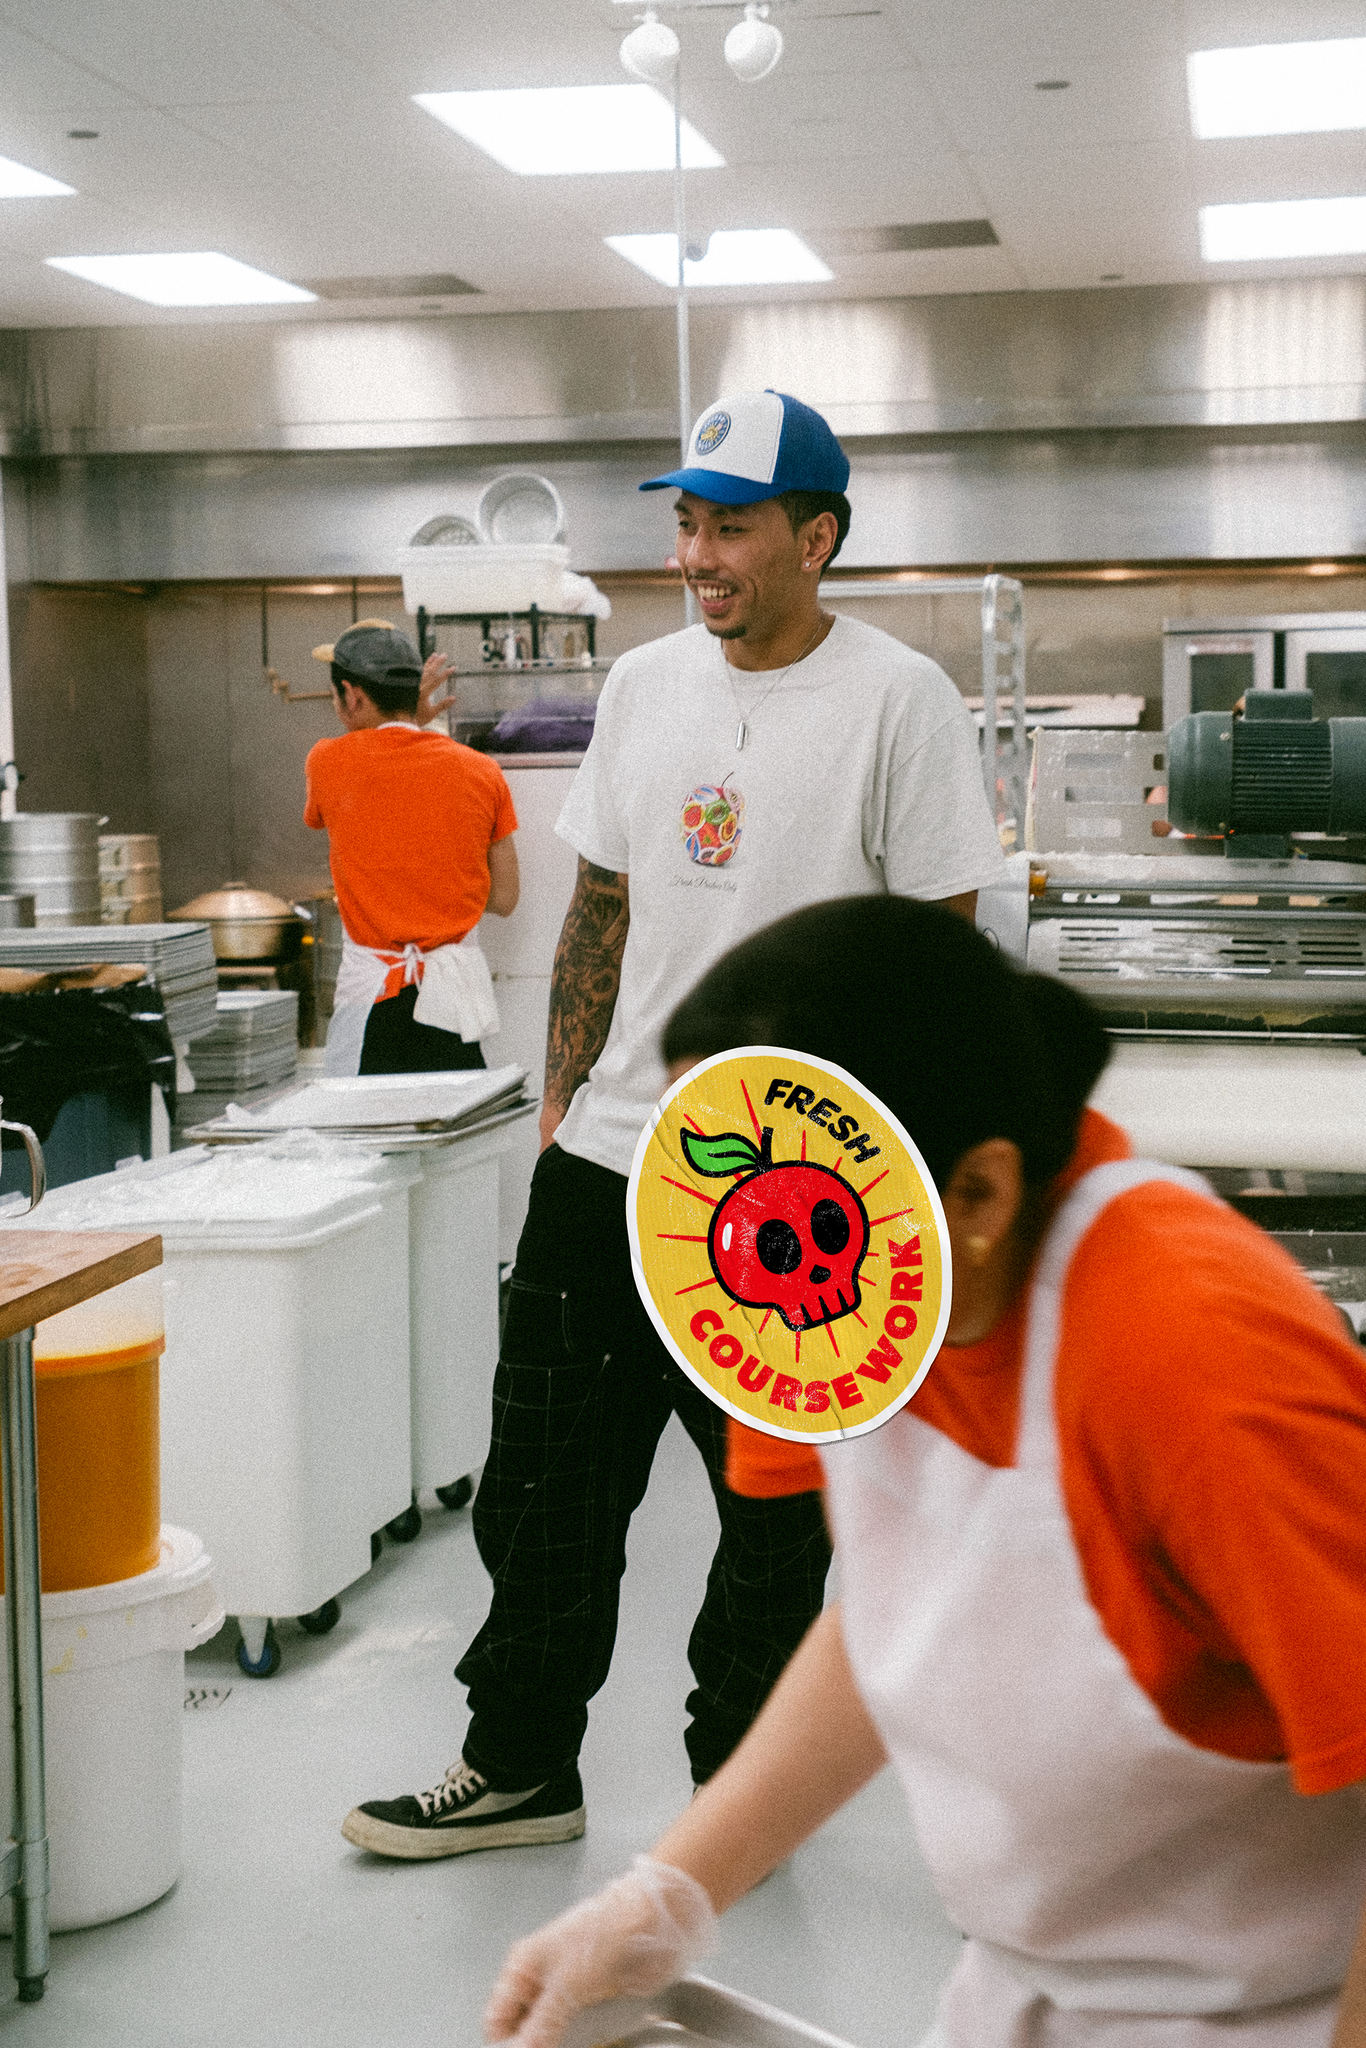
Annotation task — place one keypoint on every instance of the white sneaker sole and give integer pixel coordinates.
(414, 1845)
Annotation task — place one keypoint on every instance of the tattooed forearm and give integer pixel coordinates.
(583, 988)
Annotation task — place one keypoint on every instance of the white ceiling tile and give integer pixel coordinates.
(1280, 167)
(829, 39)
(446, 45)
(1042, 36)
(1234, 24)
(35, 77)
(995, 106)
(36, 228)
(195, 51)
(817, 121)
(1093, 211)
(851, 192)
(927, 270)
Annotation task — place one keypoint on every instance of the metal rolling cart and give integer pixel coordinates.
(41, 1273)
(509, 683)
(534, 617)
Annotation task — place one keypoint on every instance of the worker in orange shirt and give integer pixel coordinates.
(1103, 1578)
(420, 839)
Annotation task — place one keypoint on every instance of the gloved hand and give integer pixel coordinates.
(636, 1936)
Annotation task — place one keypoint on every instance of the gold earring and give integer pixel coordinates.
(978, 1249)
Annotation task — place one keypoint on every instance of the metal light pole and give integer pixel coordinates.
(681, 317)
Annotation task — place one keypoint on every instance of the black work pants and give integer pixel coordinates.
(583, 1391)
(396, 1044)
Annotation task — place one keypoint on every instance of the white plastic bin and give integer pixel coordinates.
(113, 1699)
(453, 1220)
(285, 1427)
(499, 576)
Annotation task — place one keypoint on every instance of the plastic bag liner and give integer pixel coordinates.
(78, 1041)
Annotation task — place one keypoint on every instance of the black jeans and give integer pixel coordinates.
(583, 1391)
(395, 1044)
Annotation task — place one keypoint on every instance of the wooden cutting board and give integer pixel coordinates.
(45, 1271)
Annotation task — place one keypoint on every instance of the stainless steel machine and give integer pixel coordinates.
(1235, 993)
(1232, 982)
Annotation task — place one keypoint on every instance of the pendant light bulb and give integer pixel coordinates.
(753, 46)
(650, 52)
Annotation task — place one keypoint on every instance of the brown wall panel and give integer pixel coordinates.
(81, 727)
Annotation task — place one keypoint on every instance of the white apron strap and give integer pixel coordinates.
(1037, 1447)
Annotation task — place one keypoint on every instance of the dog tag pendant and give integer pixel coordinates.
(741, 732)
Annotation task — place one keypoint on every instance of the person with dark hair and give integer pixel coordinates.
(770, 756)
(420, 840)
(1103, 1578)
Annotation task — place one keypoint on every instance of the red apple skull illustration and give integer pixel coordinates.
(790, 1236)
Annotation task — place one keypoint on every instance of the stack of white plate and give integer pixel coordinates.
(54, 857)
(253, 1048)
(179, 958)
(130, 878)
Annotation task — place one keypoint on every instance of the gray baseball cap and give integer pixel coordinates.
(373, 651)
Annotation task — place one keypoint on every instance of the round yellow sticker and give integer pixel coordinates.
(789, 1244)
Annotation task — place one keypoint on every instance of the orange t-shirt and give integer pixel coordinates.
(410, 817)
(1212, 1434)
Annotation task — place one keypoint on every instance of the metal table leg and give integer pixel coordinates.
(24, 1870)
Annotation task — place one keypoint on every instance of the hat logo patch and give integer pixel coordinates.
(712, 433)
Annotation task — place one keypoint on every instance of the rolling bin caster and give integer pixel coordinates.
(258, 1653)
(31, 1989)
(376, 1545)
(322, 1620)
(458, 1494)
(407, 1527)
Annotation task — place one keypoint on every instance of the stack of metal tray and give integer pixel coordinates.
(387, 1112)
(253, 1049)
(178, 957)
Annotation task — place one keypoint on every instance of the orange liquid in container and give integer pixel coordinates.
(99, 1440)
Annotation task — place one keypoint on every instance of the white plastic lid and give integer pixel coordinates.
(117, 1320)
(212, 1195)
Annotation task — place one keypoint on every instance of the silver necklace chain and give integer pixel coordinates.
(742, 727)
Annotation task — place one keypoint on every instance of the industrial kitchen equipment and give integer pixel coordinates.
(1233, 982)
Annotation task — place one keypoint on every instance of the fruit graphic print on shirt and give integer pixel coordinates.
(711, 822)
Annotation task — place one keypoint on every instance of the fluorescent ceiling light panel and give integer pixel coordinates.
(567, 130)
(17, 181)
(1279, 88)
(734, 256)
(202, 278)
(1258, 230)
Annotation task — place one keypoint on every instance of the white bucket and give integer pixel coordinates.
(113, 1707)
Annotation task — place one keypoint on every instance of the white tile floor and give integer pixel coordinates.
(278, 1932)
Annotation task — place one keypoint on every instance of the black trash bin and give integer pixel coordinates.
(79, 1065)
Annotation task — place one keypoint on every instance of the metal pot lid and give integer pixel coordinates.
(237, 902)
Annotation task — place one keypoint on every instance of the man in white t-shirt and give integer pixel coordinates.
(774, 756)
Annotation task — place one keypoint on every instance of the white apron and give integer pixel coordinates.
(1116, 1884)
(456, 994)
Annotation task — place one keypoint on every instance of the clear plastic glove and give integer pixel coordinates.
(635, 1937)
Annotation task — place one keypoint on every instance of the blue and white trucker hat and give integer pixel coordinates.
(758, 445)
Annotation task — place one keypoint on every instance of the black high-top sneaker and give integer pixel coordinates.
(463, 1812)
